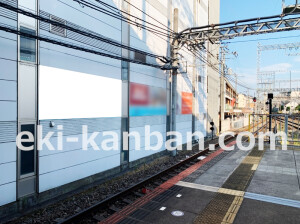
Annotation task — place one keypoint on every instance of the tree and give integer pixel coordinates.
(298, 107)
(288, 108)
(281, 108)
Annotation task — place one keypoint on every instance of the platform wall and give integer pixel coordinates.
(8, 110)
(77, 88)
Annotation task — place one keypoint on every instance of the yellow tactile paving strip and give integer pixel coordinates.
(233, 210)
(226, 204)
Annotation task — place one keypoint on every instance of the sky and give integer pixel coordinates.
(245, 65)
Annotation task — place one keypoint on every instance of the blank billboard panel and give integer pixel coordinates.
(65, 94)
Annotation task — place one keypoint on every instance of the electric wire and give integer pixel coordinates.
(118, 10)
(76, 30)
(149, 16)
(122, 18)
(44, 38)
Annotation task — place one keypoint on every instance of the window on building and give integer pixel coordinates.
(199, 78)
(27, 157)
(27, 45)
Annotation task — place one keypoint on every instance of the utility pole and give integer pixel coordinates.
(195, 81)
(222, 91)
(174, 53)
(248, 99)
(236, 92)
(291, 82)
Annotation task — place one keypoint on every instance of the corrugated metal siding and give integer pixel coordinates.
(77, 172)
(8, 105)
(10, 193)
(73, 163)
(74, 126)
(137, 124)
(146, 120)
(8, 131)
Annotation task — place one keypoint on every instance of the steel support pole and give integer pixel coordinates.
(270, 114)
(222, 88)
(194, 82)
(174, 53)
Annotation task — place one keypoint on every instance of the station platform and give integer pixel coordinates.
(225, 187)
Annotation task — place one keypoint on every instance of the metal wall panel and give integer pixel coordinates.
(137, 124)
(27, 91)
(146, 120)
(85, 17)
(76, 145)
(8, 90)
(7, 152)
(10, 72)
(183, 118)
(10, 193)
(139, 154)
(58, 161)
(70, 174)
(68, 59)
(8, 111)
(8, 105)
(74, 126)
(160, 5)
(8, 49)
(29, 5)
(55, 165)
(7, 173)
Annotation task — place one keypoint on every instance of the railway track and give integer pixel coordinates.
(291, 121)
(114, 203)
(106, 208)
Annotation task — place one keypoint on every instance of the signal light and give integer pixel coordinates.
(212, 129)
(254, 99)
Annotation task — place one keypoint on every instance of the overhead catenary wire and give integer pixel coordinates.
(13, 30)
(114, 8)
(162, 32)
(89, 50)
(77, 30)
(216, 69)
(129, 14)
(172, 31)
(200, 57)
(134, 23)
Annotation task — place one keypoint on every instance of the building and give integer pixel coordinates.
(237, 108)
(70, 67)
(246, 104)
(213, 79)
(231, 100)
(290, 107)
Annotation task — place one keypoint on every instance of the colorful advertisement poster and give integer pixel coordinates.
(147, 100)
(186, 103)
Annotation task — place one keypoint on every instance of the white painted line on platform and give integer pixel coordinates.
(197, 186)
(274, 200)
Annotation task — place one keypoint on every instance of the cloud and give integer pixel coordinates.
(297, 59)
(277, 67)
(247, 76)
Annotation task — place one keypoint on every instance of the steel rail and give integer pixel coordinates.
(115, 197)
(141, 184)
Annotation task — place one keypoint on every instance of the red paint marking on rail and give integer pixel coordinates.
(129, 209)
